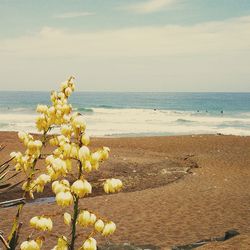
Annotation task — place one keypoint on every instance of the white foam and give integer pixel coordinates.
(142, 121)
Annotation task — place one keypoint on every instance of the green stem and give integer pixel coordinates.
(73, 234)
(76, 211)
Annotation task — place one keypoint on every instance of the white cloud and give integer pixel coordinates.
(150, 6)
(73, 14)
(205, 56)
(228, 36)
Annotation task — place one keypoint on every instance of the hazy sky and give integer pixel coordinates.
(125, 45)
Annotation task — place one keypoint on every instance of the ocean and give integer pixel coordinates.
(138, 114)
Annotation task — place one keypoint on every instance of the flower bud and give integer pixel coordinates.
(66, 130)
(64, 198)
(68, 91)
(87, 166)
(41, 223)
(80, 188)
(89, 244)
(105, 153)
(109, 228)
(43, 179)
(95, 157)
(112, 185)
(83, 153)
(92, 219)
(29, 245)
(85, 139)
(99, 225)
(64, 85)
(74, 151)
(22, 135)
(79, 123)
(84, 218)
(67, 218)
(42, 108)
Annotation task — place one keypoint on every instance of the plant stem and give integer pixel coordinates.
(76, 211)
(73, 234)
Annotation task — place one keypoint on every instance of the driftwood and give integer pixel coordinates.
(12, 203)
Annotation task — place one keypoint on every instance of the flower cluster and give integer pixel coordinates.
(112, 185)
(60, 110)
(33, 149)
(41, 223)
(71, 155)
(30, 245)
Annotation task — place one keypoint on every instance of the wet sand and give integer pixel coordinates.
(179, 190)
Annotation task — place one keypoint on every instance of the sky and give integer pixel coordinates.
(126, 45)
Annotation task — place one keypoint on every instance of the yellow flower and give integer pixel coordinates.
(89, 244)
(62, 139)
(74, 151)
(42, 108)
(99, 225)
(95, 166)
(109, 228)
(112, 185)
(87, 166)
(34, 221)
(66, 150)
(53, 141)
(66, 130)
(67, 218)
(61, 96)
(78, 123)
(64, 198)
(43, 179)
(68, 164)
(30, 245)
(105, 153)
(41, 223)
(61, 186)
(85, 139)
(64, 85)
(22, 135)
(95, 157)
(83, 153)
(68, 91)
(62, 244)
(59, 166)
(80, 188)
(84, 218)
(92, 219)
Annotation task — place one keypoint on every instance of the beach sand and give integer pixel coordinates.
(178, 190)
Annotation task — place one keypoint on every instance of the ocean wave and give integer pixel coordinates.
(108, 107)
(128, 121)
(85, 110)
(17, 110)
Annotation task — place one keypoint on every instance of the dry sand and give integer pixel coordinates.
(167, 200)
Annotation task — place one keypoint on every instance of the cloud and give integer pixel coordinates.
(73, 15)
(150, 6)
(229, 36)
(203, 57)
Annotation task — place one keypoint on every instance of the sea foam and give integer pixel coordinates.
(128, 121)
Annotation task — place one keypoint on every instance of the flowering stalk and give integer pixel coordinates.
(73, 232)
(76, 211)
(70, 153)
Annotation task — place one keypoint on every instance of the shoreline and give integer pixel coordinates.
(136, 135)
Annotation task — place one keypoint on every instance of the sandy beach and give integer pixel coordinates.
(178, 190)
